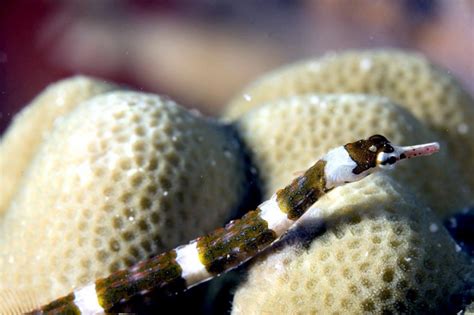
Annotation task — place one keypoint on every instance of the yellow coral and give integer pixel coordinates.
(377, 251)
(123, 176)
(432, 95)
(34, 123)
(289, 134)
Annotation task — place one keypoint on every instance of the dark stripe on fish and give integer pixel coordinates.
(239, 240)
(297, 197)
(64, 305)
(160, 272)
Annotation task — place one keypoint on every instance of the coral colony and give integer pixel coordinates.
(96, 179)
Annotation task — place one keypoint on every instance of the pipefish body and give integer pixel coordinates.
(226, 248)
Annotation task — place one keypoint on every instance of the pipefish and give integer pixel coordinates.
(226, 248)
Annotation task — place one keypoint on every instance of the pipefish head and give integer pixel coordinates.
(356, 160)
(377, 152)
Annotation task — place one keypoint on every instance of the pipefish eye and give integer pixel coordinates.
(378, 138)
(387, 148)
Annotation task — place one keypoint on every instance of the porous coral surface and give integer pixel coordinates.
(127, 175)
(289, 134)
(370, 248)
(34, 123)
(124, 176)
(409, 79)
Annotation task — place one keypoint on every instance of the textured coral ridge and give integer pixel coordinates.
(123, 176)
(34, 123)
(289, 134)
(431, 94)
(379, 251)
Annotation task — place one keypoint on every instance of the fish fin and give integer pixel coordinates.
(17, 301)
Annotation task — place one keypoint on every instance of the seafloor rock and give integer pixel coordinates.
(366, 247)
(431, 94)
(289, 134)
(123, 176)
(34, 123)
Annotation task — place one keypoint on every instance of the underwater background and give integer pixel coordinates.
(165, 46)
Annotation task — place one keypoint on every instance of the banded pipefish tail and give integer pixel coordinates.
(242, 239)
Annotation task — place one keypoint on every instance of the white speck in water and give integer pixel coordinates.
(366, 254)
(112, 160)
(313, 99)
(457, 248)
(58, 121)
(85, 174)
(279, 267)
(407, 259)
(314, 66)
(365, 64)
(345, 98)
(60, 102)
(213, 163)
(165, 193)
(453, 222)
(130, 218)
(247, 97)
(294, 101)
(463, 128)
(434, 228)
(227, 154)
(195, 112)
(174, 138)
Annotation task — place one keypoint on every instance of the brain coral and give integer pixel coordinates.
(121, 177)
(431, 94)
(289, 134)
(33, 124)
(378, 251)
